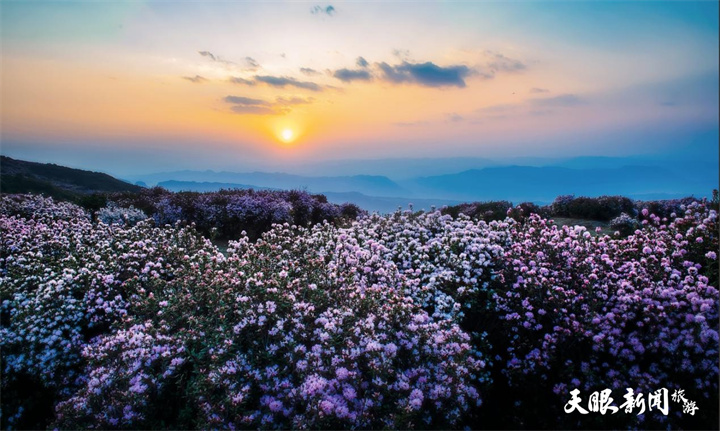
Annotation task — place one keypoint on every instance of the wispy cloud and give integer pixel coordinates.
(288, 101)
(455, 117)
(276, 81)
(402, 54)
(499, 109)
(410, 123)
(349, 75)
(249, 105)
(285, 81)
(252, 63)
(308, 71)
(361, 62)
(240, 100)
(243, 81)
(208, 54)
(535, 107)
(325, 10)
(253, 109)
(558, 101)
(215, 57)
(427, 74)
(500, 63)
(197, 79)
(536, 90)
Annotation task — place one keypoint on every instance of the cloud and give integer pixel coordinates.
(455, 117)
(499, 109)
(276, 81)
(361, 62)
(402, 54)
(308, 71)
(410, 123)
(558, 101)
(214, 57)
(294, 100)
(257, 110)
(391, 74)
(484, 75)
(239, 100)
(426, 74)
(252, 63)
(247, 105)
(243, 81)
(348, 75)
(207, 54)
(536, 90)
(536, 107)
(284, 81)
(197, 79)
(500, 63)
(327, 10)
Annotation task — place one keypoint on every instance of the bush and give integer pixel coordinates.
(665, 208)
(624, 224)
(226, 214)
(590, 313)
(112, 214)
(398, 321)
(488, 211)
(602, 208)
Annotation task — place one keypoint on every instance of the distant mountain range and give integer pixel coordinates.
(635, 177)
(367, 184)
(524, 183)
(195, 186)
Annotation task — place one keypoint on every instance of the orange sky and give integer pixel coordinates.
(459, 81)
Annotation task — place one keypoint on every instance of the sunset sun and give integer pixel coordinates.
(287, 135)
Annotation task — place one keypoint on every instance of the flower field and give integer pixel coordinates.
(410, 320)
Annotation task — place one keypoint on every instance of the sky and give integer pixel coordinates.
(146, 86)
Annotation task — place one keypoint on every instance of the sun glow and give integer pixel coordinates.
(287, 135)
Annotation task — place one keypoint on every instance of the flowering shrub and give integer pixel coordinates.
(285, 332)
(62, 284)
(593, 312)
(228, 213)
(402, 321)
(624, 224)
(488, 211)
(665, 208)
(112, 214)
(601, 208)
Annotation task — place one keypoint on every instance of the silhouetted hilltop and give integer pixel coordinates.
(18, 176)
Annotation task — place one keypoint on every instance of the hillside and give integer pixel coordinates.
(18, 176)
